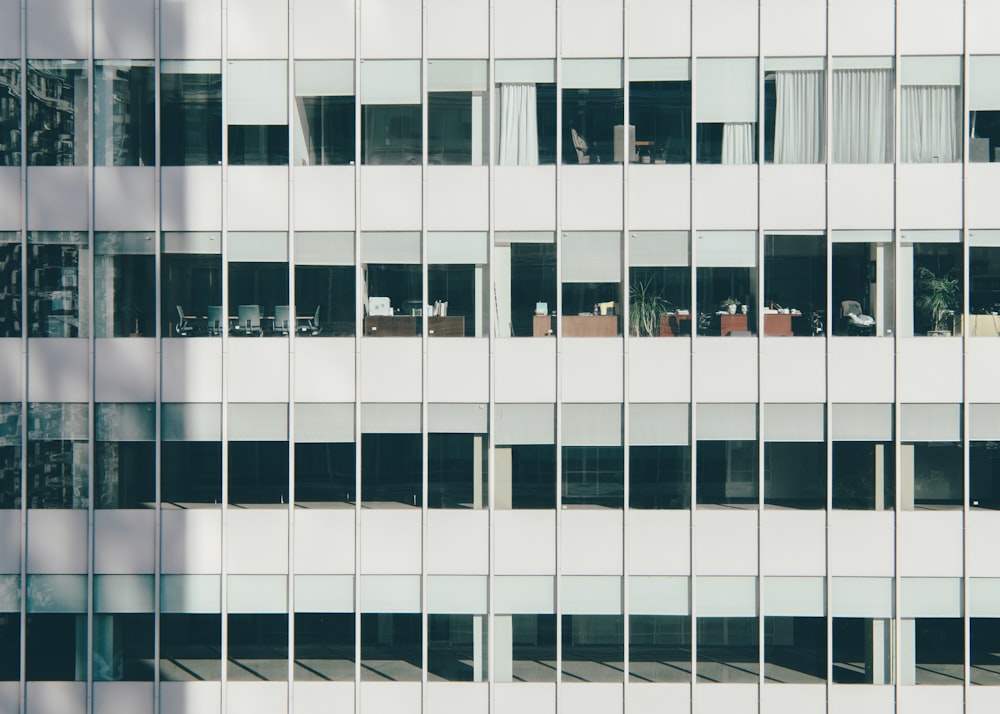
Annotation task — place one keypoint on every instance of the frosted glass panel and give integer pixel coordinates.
(525, 424)
(794, 422)
(726, 249)
(57, 593)
(592, 424)
(591, 257)
(727, 422)
(726, 597)
(257, 92)
(192, 422)
(123, 593)
(390, 593)
(258, 593)
(726, 90)
(324, 423)
(324, 248)
(659, 595)
(861, 597)
(324, 78)
(524, 594)
(390, 82)
(795, 597)
(930, 422)
(862, 422)
(930, 597)
(258, 422)
(592, 74)
(659, 424)
(456, 594)
(591, 594)
(190, 593)
(10, 593)
(125, 422)
(324, 593)
(658, 248)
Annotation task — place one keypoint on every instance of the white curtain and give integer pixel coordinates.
(929, 127)
(862, 116)
(518, 125)
(798, 118)
(737, 142)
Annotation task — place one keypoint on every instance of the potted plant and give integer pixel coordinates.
(646, 306)
(937, 299)
(730, 305)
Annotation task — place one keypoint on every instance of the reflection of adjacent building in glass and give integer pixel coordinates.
(57, 113)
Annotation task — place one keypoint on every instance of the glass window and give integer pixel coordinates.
(457, 112)
(525, 648)
(795, 650)
(57, 290)
(593, 476)
(257, 104)
(660, 109)
(593, 648)
(457, 285)
(931, 475)
(190, 113)
(324, 646)
(324, 112)
(659, 284)
(324, 284)
(191, 454)
(984, 290)
(795, 474)
(864, 475)
(592, 284)
(124, 114)
(10, 455)
(930, 99)
(123, 647)
(392, 285)
(526, 112)
(728, 649)
(863, 110)
(258, 472)
(57, 113)
(660, 477)
(10, 283)
(258, 285)
(524, 278)
(727, 110)
(391, 647)
(938, 653)
(862, 650)
(10, 113)
(392, 469)
(593, 113)
(456, 648)
(727, 473)
(324, 474)
(124, 285)
(794, 286)
(984, 109)
(124, 456)
(984, 633)
(56, 647)
(190, 647)
(794, 110)
(58, 455)
(863, 276)
(526, 476)
(457, 473)
(936, 287)
(391, 122)
(258, 647)
(726, 283)
(659, 648)
(191, 280)
(984, 474)
(10, 646)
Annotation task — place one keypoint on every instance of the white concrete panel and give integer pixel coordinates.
(787, 698)
(725, 197)
(659, 371)
(860, 195)
(983, 16)
(124, 198)
(792, 370)
(725, 542)
(513, 383)
(458, 370)
(190, 29)
(10, 541)
(862, 27)
(591, 28)
(981, 558)
(793, 28)
(390, 541)
(191, 370)
(10, 42)
(458, 542)
(862, 370)
(11, 374)
(659, 542)
(444, 16)
(123, 28)
(56, 698)
(391, 28)
(324, 541)
(191, 541)
(524, 542)
(655, 698)
(930, 27)
(982, 187)
(257, 29)
(324, 370)
(57, 541)
(258, 370)
(257, 697)
(58, 199)
(58, 370)
(851, 699)
(731, 698)
(514, 37)
(725, 28)
(592, 369)
(117, 697)
(324, 197)
(524, 698)
(725, 370)
(124, 540)
(58, 29)
(125, 369)
(591, 198)
(590, 698)
(524, 198)
(324, 29)
(191, 197)
(257, 541)
(930, 544)
(395, 697)
(659, 197)
(982, 700)
(922, 356)
(458, 198)
(793, 542)
(792, 196)
(656, 24)
(10, 196)
(929, 700)
(258, 198)
(458, 698)
(591, 541)
(930, 195)
(390, 198)
(315, 697)
(392, 369)
(868, 532)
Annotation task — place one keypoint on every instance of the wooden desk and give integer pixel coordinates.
(732, 323)
(391, 326)
(671, 320)
(541, 326)
(778, 325)
(590, 325)
(449, 326)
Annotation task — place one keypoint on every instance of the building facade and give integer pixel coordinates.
(521, 356)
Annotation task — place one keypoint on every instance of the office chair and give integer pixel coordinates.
(856, 322)
(282, 316)
(183, 327)
(248, 321)
(216, 320)
(309, 325)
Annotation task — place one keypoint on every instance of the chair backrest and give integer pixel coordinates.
(215, 319)
(316, 317)
(249, 315)
(180, 314)
(281, 316)
(580, 144)
(849, 307)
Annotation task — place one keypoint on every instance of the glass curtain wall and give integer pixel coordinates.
(457, 112)
(726, 283)
(10, 113)
(124, 285)
(324, 113)
(124, 456)
(324, 284)
(124, 114)
(593, 113)
(984, 283)
(257, 112)
(10, 455)
(592, 284)
(11, 277)
(524, 282)
(660, 110)
(58, 455)
(191, 285)
(984, 109)
(727, 110)
(190, 112)
(863, 284)
(58, 289)
(659, 284)
(526, 112)
(794, 285)
(57, 113)
(391, 122)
